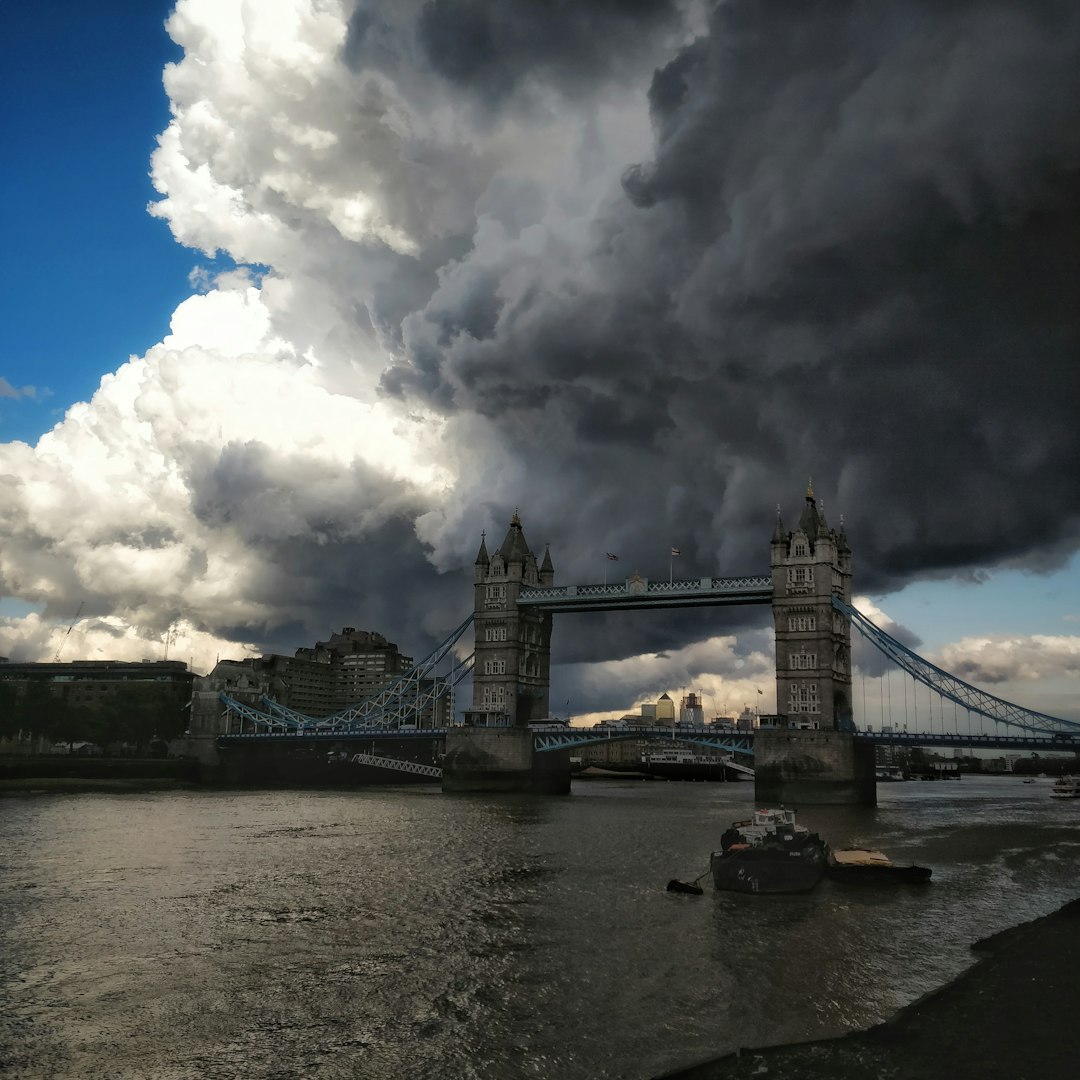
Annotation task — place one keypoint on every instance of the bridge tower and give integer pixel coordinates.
(493, 750)
(810, 565)
(512, 651)
(814, 757)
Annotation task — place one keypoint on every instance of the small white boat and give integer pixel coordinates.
(1066, 787)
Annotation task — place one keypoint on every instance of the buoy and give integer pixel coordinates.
(674, 885)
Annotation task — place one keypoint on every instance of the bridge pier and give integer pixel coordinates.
(805, 768)
(497, 759)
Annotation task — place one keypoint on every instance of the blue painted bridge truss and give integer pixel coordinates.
(394, 711)
(734, 742)
(398, 705)
(1038, 728)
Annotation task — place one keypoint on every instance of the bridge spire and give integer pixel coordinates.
(482, 555)
(778, 535)
(547, 568)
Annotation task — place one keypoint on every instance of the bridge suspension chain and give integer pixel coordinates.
(949, 686)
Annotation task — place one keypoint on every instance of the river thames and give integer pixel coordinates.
(402, 933)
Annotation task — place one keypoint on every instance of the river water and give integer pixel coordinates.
(401, 933)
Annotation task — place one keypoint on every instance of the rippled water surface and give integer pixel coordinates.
(404, 933)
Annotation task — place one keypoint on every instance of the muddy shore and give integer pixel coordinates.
(1014, 1015)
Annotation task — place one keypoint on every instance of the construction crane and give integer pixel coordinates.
(63, 640)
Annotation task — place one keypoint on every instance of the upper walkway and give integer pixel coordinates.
(639, 592)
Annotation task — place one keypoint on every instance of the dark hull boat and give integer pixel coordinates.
(863, 867)
(768, 854)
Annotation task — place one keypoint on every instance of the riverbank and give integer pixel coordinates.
(1012, 1016)
(79, 785)
(66, 774)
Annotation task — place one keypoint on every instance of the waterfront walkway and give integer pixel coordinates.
(1013, 1016)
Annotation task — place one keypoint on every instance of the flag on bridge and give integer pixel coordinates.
(761, 691)
(676, 551)
(614, 558)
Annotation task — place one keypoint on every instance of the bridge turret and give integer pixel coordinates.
(483, 561)
(547, 568)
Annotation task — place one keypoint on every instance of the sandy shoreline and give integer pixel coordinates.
(1012, 1016)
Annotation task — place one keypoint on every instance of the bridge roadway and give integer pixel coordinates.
(548, 739)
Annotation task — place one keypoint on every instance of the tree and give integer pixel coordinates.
(8, 710)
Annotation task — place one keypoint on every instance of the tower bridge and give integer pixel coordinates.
(813, 751)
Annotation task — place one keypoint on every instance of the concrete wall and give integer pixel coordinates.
(501, 759)
(812, 767)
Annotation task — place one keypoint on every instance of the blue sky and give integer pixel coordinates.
(91, 278)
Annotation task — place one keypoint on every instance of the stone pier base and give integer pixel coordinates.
(501, 759)
(805, 768)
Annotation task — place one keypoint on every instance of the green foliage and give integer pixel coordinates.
(137, 714)
(8, 706)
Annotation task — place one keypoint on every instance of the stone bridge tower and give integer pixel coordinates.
(810, 566)
(512, 649)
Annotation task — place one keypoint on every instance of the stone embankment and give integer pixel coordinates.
(1012, 1016)
(64, 773)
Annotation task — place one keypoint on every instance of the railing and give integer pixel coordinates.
(567, 738)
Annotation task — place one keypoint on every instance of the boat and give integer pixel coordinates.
(864, 866)
(1030, 780)
(680, 763)
(1066, 787)
(768, 853)
(888, 775)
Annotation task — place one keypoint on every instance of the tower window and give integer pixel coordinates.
(494, 696)
(804, 660)
(496, 596)
(801, 550)
(495, 633)
(800, 575)
(803, 698)
(802, 622)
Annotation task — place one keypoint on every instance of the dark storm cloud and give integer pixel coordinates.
(492, 49)
(854, 254)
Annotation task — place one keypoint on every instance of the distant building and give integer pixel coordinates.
(318, 681)
(342, 671)
(89, 683)
(691, 711)
(81, 688)
(665, 711)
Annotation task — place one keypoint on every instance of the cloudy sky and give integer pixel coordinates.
(301, 295)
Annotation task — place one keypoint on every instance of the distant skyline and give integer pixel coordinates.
(639, 273)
